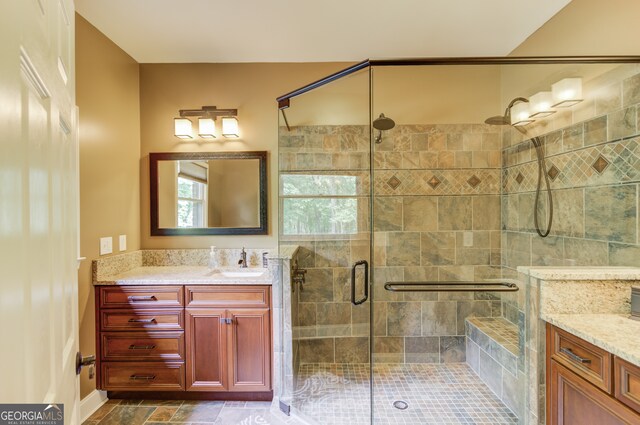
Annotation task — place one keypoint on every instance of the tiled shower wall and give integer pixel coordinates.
(594, 168)
(593, 161)
(436, 217)
(327, 327)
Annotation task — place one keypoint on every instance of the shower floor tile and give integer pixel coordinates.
(442, 394)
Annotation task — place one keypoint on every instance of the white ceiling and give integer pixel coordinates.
(171, 31)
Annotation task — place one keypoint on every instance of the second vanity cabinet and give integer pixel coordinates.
(588, 385)
(198, 338)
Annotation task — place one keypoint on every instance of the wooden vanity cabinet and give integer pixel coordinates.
(228, 338)
(199, 338)
(140, 338)
(581, 387)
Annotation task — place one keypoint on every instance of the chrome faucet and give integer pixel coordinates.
(243, 259)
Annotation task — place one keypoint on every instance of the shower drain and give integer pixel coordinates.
(401, 404)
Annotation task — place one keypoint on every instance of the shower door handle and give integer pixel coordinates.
(353, 282)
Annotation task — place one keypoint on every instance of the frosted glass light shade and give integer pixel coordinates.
(520, 114)
(182, 128)
(230, 127)
(567, 92)
(206, 128)
(540, 104)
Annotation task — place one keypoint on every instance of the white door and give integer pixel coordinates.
(38, 205)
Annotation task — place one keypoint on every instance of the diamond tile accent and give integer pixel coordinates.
(609, 163)
(553, 172)
(473, 181)
(519, 178)
(601, 164)
(434, 182)
(394, 182)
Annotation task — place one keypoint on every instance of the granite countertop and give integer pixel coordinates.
(186, 275)
(616, 333)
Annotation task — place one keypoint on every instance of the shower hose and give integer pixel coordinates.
(542, 171)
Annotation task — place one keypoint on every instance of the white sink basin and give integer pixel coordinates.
(241, 273)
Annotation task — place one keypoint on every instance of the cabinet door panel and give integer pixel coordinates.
(575, 401)
(249, 352)
(206, 350)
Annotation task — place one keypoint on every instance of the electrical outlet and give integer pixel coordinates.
(106, 245)
(122, 242)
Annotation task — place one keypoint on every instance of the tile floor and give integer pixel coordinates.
(442, 394)
(338, 394)
(167, 412)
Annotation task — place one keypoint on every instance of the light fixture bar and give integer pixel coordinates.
(210, 111)
(207, 122)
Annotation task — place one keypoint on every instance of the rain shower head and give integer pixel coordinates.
(381, 124)
(499, 120)
(506, 118)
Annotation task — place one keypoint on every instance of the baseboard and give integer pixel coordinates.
(91, 403)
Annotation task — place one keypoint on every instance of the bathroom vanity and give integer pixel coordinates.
(587, 384)
(185, 332)
(590, 347)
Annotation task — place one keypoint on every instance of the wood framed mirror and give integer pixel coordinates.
(208, 193)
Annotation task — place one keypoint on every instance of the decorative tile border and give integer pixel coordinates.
(437, 182)
(610, 163)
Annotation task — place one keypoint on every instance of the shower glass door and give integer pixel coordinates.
(436, 221)
(324, 210)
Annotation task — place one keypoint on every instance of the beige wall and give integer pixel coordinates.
(252, 89)
(107, 95)
(587, 27)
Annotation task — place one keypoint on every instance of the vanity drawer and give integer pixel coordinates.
(627, 383)
(141, 296)
(156, 376)
(142, 346)
(585, 359)
(228, 296)
(127, 320)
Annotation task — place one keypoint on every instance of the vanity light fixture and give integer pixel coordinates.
(520, 114)
(541, 104)
(230, 127)
(567, 92)
(183, 128)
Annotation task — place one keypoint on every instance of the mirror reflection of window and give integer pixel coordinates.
(192, 194)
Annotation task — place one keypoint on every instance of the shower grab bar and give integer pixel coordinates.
(451, 286)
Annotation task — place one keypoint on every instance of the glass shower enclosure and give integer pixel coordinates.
(407, 196)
